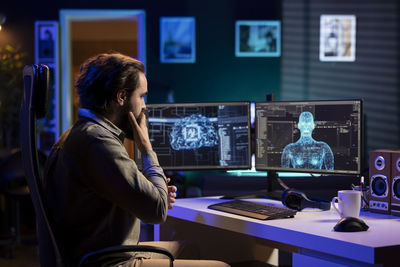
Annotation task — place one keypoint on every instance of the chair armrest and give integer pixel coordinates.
(127, 248)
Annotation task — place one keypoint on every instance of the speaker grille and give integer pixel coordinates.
(379, 186)
(396, 187)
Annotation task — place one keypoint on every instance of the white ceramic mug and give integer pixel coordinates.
(349, 203)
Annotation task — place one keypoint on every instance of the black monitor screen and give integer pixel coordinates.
(309, 136)
(191, 136)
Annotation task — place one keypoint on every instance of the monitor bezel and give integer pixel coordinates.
(357, 172)
(208, 167)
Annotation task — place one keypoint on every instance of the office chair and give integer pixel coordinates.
(34, 106)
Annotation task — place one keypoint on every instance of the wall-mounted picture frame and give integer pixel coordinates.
(258, 38)
(337, 38)
(177, 40)
(46, 36)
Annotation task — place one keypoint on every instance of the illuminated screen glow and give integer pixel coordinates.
(191, 136)
(309, 136)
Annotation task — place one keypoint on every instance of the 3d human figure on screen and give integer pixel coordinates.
(307, 153)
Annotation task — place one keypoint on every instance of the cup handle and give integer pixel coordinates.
(340, 203)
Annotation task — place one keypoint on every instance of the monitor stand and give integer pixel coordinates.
(272, 179)
(270, 192)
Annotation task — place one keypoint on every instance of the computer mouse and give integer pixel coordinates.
(351, 224)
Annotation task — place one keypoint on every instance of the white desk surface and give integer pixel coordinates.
(310, 229)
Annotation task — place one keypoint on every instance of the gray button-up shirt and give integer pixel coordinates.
(94, 190)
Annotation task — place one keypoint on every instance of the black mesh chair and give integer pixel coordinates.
(34, 106)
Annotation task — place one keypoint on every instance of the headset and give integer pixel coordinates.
(298, 200)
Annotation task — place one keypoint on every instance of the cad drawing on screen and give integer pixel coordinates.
(193, 132)
(306, 152)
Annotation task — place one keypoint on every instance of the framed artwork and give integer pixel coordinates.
(46, 36)
(337, 38)
(177, 40)
(258, 38)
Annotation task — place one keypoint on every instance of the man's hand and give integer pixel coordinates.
(140, 133)
(171, 194)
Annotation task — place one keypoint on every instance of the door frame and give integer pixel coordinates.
(67, 16)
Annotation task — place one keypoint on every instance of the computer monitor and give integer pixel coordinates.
(200, 136)
(309, 136)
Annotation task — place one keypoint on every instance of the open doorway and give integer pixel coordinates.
(85, 33)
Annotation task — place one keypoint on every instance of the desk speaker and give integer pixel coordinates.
(380, 169)
(395, 184)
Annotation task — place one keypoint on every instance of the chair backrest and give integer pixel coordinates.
(33, 107)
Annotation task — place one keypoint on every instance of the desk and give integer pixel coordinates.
(309, 236)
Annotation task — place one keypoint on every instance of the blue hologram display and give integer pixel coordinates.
(320, 136)
(192, 136)
(193, 132)
(307, 153)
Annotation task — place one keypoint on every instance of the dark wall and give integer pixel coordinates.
(217, 74)
(373, 76)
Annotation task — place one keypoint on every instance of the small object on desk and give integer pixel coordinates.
(254, 210)
(297, 200)
(351, 224)
(364, 193)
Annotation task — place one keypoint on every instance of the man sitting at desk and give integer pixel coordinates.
(96, 194)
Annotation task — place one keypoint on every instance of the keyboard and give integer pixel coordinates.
(253, 210)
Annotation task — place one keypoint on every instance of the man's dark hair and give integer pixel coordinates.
(103, 75)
